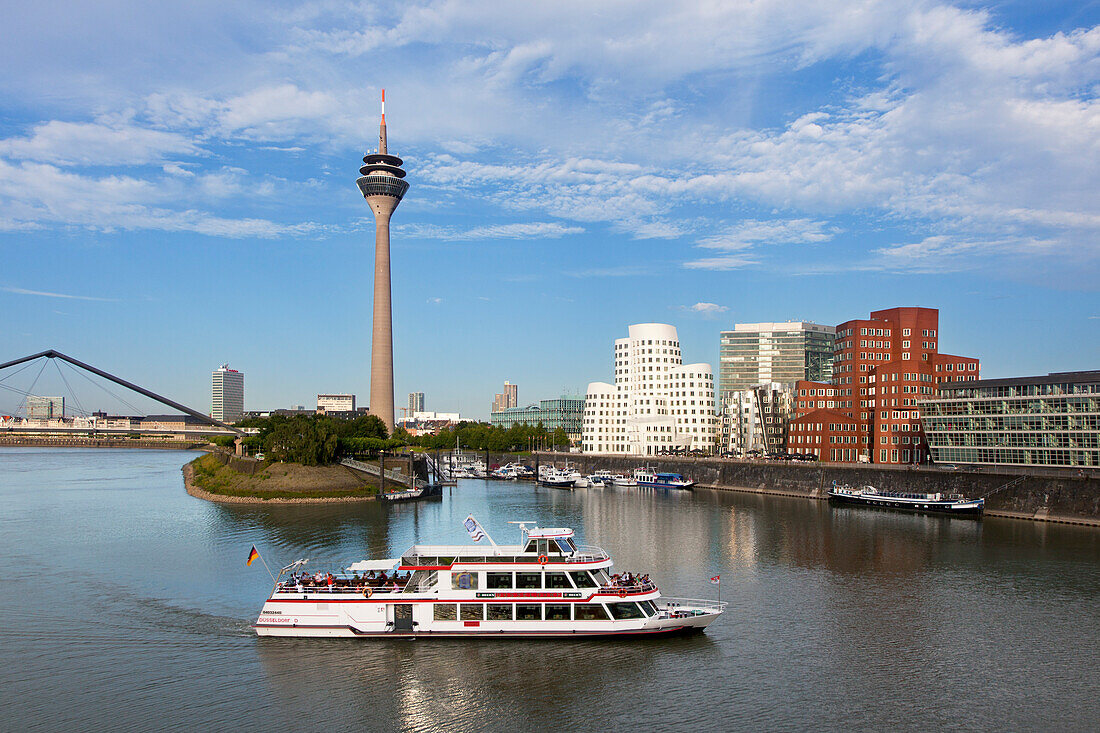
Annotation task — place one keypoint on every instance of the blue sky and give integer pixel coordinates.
(177, 184)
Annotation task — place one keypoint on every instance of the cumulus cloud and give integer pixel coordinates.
(704, 309)
(95, 143)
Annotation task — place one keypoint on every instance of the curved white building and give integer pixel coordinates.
(657, 401)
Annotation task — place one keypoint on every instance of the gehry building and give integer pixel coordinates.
(656, 402)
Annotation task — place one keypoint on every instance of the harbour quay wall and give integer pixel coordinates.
(1050, 495)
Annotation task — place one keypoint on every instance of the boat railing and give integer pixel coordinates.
(587, 553)
(687, 605)
(388, 587)
(632, 588)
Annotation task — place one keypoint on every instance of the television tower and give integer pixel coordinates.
(382, 186)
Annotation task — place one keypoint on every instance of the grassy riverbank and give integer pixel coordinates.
(207, 478)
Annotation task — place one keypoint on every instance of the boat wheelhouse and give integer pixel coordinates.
(546, 586)
(954, 504)
(649, 478)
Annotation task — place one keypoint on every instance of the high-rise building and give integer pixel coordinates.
(656, 403)
(382, 186)
(416, 403)
(759, 353)
(335, 403)
(882, 367)
(228, 394)
(1020, 421)
(506, 399)
(45, 408)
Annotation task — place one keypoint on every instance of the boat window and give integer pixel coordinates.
(446, 612)
(498, 580)
(557, 612)
(558, 581)
(625, 610)
(445, 561)
(649, 608)
(600, 576)
(532, 546)
(425, 560)
(565, 547)
(464, 580)
(500, 612)
(528, 612)
(590, 612)
(472, 611)
(582, 579)
(528, 580)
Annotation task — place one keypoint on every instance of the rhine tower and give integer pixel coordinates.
(382, 186)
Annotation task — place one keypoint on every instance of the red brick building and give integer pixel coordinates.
(881, 367)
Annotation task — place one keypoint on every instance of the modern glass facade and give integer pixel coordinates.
(1027, 421)
(563, 412)
(757, 353)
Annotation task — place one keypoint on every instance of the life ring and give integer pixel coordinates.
(543, 559)
(622, 593)
(367, 592)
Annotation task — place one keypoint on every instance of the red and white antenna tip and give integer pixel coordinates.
(383, 104)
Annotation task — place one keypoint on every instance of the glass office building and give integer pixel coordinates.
(1025, 421)
(758, 353)
(563, 412)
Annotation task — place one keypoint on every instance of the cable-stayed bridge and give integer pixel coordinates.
(35, 414)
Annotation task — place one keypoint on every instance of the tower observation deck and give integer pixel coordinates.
(382, 185)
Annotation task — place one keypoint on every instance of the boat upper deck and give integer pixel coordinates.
(444, 556)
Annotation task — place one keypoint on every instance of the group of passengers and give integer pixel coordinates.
(356, 583)
(628, 580)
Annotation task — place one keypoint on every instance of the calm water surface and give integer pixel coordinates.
(128, 606)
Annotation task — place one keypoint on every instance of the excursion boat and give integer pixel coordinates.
(955, 504)
(546, 586)
(650, 478)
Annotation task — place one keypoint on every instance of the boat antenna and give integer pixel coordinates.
(523, 529)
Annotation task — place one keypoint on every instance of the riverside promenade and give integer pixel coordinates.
(1048, 495)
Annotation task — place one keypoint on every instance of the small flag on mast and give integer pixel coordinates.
(252, 555)
(716, 579)
(474, 529)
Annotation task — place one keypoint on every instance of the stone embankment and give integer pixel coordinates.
(1054, 497)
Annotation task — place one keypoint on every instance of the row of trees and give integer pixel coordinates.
(482, 436)
(314, 440)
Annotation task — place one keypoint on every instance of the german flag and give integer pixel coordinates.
(252, 555)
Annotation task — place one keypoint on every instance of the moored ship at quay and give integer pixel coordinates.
(546, 586)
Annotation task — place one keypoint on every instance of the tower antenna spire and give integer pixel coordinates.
(382, 127)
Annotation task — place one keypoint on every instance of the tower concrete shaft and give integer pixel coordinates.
(382, 186)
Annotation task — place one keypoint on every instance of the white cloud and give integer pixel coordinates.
(704, 309)
(526, 230)
(94, 143)
(37, 194)
(42, 293)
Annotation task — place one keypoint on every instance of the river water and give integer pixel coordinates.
(128, 606)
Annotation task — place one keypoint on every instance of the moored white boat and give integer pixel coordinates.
(555, 478)
(620, 480)
(545, 586)
(650, 478)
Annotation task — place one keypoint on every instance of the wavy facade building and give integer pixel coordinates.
(656, 402)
